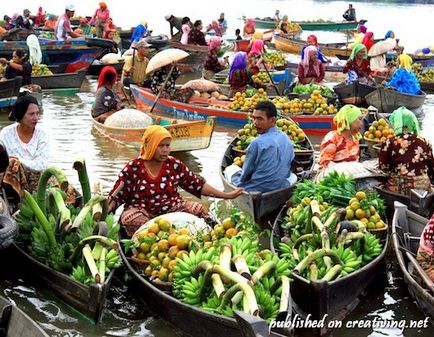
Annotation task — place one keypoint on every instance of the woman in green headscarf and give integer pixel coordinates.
(358, 61)
(342, 144)
(406, 158)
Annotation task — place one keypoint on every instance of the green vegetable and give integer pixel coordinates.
(80, 166)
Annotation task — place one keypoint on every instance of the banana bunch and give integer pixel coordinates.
(40, 70)
(113, 260)
(79, 274)
(268, 304)
(371, 249)
(190, 291)
(350, 261)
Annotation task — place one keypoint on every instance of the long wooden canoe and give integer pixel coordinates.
(188, 320)
(427, 87)
(330, 300)
(9, 91)
(260, 205)
(60, 81)
(16, 323)
(95, 68)
(88, 299)
(295, 46)
(186, 135)
(311, 124)
(196, 59)
(307, 25)
(387, 100)
(407, 228)
(353, 93)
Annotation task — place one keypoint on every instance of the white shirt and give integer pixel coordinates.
(33, 155)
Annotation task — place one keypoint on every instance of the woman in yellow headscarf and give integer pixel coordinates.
(342, 144)
(148, 185)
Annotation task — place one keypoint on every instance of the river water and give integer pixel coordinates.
(66, 116)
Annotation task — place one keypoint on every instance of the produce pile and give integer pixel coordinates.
(2, 68)
(316, 104)
(40, 69)
(275, 58)
(379, 131)
(322, 240)
(80, 242)
(311, 88)
(422, 75)
(226, 274)
(261, 78)
(245, 102)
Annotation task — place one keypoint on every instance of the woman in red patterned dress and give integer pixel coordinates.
(148, 185)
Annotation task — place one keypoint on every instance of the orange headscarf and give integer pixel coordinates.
(102, 5)
(152, 137)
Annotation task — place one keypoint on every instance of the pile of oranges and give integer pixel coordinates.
(379, 131)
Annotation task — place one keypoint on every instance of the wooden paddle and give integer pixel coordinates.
(271, 79)
(162, 87)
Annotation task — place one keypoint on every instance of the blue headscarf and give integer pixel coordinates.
(138, 33)
(388, 34)
(239, 63)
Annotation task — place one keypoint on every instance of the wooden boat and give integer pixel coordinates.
(16, 323)
(314, 25)
(427, 87)
(95, 68)
(353, 93)
(186, 135)
(295, 46)
(75, 54)
(311, 124)
(387, 100)
(260, 205)
(60, 81)
(407, 228)
(195, 61)
(330, 300)
(9, 91)
(191, 321)
(88, 299)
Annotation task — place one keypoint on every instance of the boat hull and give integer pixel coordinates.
(387, 100)
(329, 26)
(295, 46)
(19, 324)
(87, 299)
(186, 135)
(95, 69)
(329, 300)
(9, 91)
(60, 81)
(404, 223)
(353, 93)
(427, 87)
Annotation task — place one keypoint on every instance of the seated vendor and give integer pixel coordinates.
(17, 66)
(310, 69)
(358, 62)
(148, 186)
(27, 145)
(158, 78)
(425, 253)
(238, 76)
(105, 97)
(134, 70)
(212, 63)
(269, 157)
(406, 158)
(342, 144)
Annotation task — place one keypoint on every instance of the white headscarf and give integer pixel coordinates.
(35, 54)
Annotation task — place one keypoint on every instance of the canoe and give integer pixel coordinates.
(295, 46)
(387, 100)
(353, 93)
(427, 87)
(196, 59)
(75, 54)
(261, 205)
(407, 228)
(88, 299)
(95, 69)
(16, 323)
(186, 135)
(60, 81)
(306, 25)
(9, 91)
(188, 320)
(333, 300)
(311, 124)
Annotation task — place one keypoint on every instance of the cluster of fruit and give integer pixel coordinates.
(275, 58)
(239, 161)
(316, 105)
(261, 78)
(225, 229)
(243, 103)
(2, 68)
(361, 208)
(423, 76)
(379, 131)
(41, 69)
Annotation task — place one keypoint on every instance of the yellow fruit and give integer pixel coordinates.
(172, 239)
(372, 209)
(164, 224)
(173, 251)
(231, 232)
(181, 253)
(227, 223)
(353, 200)
(360, 195)
(184, 231)
(379, 224)
(370, 225)
(154, 228)
(163, 274)
(144, 247)
(182, 241)
(171, 264)
(163, 245)
(141, 256)
(355, 206)
(142, 234)
(360, 213)
(350, 214)
(148, 270)
(166, 262)
(161, 256)
(364, 220)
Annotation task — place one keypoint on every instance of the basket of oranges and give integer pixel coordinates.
(377, 133)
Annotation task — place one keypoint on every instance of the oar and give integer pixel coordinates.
(162, 87)
(422, 273)
(271, 79)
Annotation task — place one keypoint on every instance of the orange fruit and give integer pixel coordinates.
(182, 241)
(172, 239)
(231, 232)
(173, 251)
(163, 245)
(185, 231)
(154, 228)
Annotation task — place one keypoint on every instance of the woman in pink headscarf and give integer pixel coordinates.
(212, 63)
(100, 19)
(310, 69)
(257, 48)
(249, 28)
(216, 28)
(39, 18)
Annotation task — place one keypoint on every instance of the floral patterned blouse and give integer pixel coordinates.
(159, 77)
(196, 37)
(212, 63)
(407, 155)
(158, 194)
(336, 148)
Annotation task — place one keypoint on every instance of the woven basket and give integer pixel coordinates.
(373, 146)
(380, 233)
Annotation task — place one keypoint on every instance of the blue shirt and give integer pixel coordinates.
(268, 163)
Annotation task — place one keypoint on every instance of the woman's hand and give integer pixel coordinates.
(235, 193)
(3, 60)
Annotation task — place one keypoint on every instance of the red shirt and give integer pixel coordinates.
(311, 73)
(155, 195)
(359, 69)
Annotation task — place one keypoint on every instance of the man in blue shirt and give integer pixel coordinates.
(269, 157)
